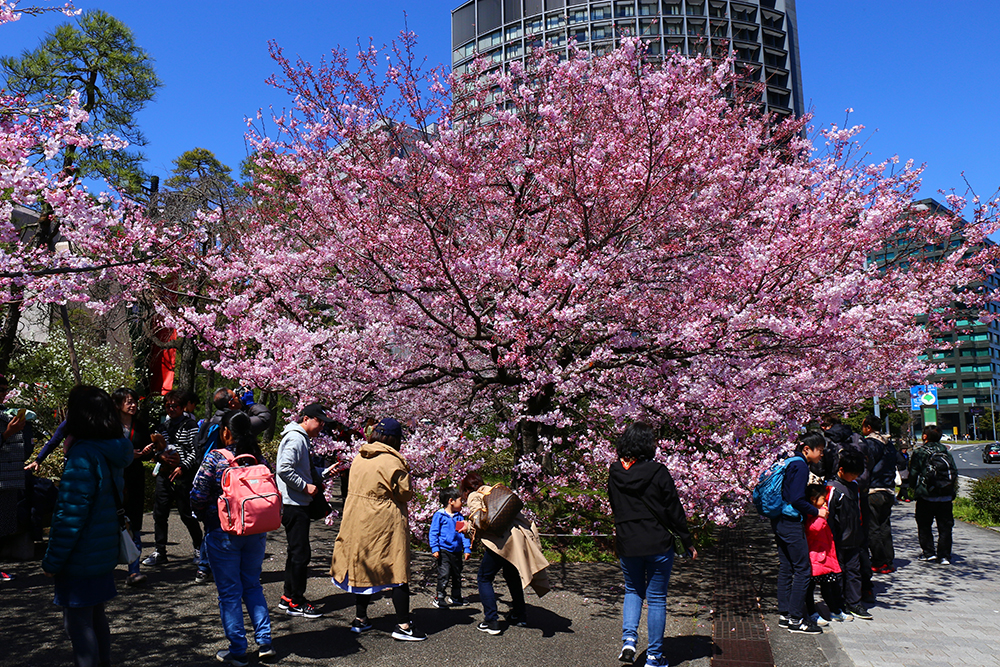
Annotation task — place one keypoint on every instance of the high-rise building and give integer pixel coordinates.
(969, 379)
(761, 34)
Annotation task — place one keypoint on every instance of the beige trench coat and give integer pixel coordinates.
(519, 544)
(373, 545)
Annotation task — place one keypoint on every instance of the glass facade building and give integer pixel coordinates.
(761, 34)
(970, 375)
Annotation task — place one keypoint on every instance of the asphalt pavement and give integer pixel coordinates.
(173, 621)
(969, 459)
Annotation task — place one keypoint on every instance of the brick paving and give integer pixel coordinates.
(931, 615)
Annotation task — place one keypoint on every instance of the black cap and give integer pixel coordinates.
(318, 411)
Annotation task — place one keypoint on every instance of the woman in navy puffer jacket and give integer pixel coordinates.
(83, 541)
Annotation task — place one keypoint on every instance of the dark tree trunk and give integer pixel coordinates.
(8, 334)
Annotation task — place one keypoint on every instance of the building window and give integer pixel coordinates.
(624, 9)
(600, 12)
(578, 16)
(578, 35)
(744, 13)
(533, 26)
(695, 10)
(745, 34)
(489, 41)
(648, 7)
(601, 31)
(649, 27)
(514, 32)
(555, 21)
(625, 28)
(672, 28)
(696, 28)
(717, 10)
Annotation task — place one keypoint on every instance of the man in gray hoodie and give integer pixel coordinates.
(295, 479)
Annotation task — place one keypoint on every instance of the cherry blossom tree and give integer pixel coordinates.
(528, 260)
(72, 237)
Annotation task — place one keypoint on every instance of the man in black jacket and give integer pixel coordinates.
(881, 494)
(176, 464)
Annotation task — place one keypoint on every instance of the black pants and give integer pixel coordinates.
(880, 528)
(851, 562)
(400, 601)
(794, 567)
(450, 568)
(927, 512)
(296, 522)
(90, 635)
(169, 494)
(831, 587)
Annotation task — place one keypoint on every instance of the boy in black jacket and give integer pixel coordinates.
(846, 526)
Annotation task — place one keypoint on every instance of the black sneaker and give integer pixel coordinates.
(520, 620)
(456, 602)
(782, 621)
(304, 610)
(5, 577)
(440, 603)
(284, 602)
(489, 627)
(628, 653)
(857, 611)
(805, 627)
(410, 634)
(927, 559)
(202, 576)
(360, 625)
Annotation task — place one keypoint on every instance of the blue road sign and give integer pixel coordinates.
(923, 396)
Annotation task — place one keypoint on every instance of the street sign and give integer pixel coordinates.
(923, 396)
(977, 411)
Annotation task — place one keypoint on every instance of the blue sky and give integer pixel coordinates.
(922, 76)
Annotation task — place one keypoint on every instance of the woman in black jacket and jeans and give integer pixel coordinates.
(648, 513)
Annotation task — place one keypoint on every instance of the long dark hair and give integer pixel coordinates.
(239, 426)
(91, 414)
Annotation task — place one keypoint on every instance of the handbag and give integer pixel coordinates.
(676, 542)
(501, 507)
(318, 507)
(127, 551)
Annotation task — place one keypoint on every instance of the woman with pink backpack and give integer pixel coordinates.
(236, 559)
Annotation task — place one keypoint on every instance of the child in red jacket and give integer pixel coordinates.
(823, 556)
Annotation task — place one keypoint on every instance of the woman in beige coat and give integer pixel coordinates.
(372, 552)
(516, 552)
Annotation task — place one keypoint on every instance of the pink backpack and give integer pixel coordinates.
(250, 502)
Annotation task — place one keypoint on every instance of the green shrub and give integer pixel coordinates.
(986, 497)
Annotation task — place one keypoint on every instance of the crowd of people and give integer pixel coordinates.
(835, 530)
(103, 488)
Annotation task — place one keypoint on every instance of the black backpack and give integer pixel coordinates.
(938, 477)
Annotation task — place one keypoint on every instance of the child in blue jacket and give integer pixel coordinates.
(450, 546)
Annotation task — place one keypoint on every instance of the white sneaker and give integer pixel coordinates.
(842, 617)
(819, 620)
(945, 561)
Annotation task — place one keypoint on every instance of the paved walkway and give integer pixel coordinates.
(932, 615)
(721, 611)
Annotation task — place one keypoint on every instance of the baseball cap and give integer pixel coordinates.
(389, 426)
(318, 411)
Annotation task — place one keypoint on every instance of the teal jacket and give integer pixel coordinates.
(83, 540)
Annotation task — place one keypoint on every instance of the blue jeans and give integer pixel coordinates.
(236, 562)
(133, 567)
(646, 578)
(488, 569)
